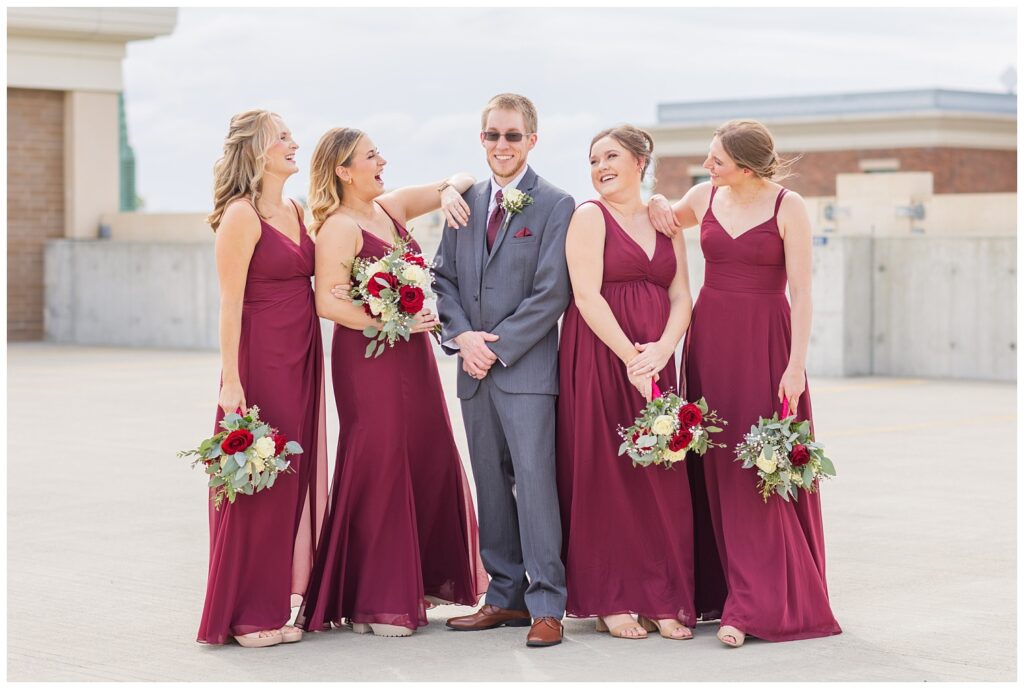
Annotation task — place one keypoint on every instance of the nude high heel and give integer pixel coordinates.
(654, 626)
(726, 631)
(391, 630)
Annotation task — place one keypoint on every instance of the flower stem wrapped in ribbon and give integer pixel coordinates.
(785, 456)
(668, 428)
(245, 458)
(392, 289)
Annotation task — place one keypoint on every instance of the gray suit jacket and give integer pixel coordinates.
(518, 291)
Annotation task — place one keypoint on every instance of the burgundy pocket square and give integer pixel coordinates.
(525, 232)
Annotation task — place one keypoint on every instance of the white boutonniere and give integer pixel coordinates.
(514, 202)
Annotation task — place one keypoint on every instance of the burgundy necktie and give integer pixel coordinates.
(494, 222)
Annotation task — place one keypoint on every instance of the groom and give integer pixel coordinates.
(502, 283)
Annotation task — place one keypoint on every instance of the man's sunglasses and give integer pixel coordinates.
(511, 137)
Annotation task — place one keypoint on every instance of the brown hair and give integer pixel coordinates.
(326, 190)
(238, 173)
(512, 101)
(751, 145)
(633, 139)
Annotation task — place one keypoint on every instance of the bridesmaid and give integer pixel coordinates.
(401, 527)
(261, 547)
(628, 540)
(763, 572)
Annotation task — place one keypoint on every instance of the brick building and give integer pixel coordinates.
(966, 139)
(63, 152)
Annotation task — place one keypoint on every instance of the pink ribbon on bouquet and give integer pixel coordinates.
(785, 408)
(655, 390)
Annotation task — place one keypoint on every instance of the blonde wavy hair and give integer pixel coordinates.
(238, 173)
(326, 190)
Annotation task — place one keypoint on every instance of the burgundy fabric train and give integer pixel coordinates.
(261, 547)
(401, 523)
(627, 532)
(760, 567)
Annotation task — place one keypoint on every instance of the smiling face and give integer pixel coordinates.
(363, 175)
(280, 156)
(506, 158)
(723, 169)
(613, 169)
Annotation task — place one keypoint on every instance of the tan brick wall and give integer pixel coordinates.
(956, 170)
(35, 201)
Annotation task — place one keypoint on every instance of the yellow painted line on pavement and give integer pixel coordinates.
(873, 430)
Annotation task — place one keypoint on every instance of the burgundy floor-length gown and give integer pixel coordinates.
(760, 567)
(261, 546)
(401, 524)
(627, 531)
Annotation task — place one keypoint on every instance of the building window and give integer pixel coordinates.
(871, 165)
(697, 174)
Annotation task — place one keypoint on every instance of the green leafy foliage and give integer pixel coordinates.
(240, 473)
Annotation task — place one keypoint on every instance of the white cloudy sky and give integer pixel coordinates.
(416, 79)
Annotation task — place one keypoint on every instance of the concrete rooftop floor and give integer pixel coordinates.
(107, 543)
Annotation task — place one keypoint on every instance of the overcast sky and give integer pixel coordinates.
(416, 80)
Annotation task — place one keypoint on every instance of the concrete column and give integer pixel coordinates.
(90, 161)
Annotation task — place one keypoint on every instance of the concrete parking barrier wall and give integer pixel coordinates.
(901, 306)
(131, 294)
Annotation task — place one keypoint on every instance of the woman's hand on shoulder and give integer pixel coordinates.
(659, 210)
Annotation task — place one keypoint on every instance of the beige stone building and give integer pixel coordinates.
(63, 85)
(967, 140)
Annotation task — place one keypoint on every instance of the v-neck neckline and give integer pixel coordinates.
(394, 223)
(650, 259)
(711, 210)
(297, 245)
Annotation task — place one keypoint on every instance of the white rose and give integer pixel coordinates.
(673, 457)
(513, 196)
(376, 304)
(256, 464)
(766, 462)
(796, 478)
(264, 447)
(376, 267)
(415, 275)
(663, 425)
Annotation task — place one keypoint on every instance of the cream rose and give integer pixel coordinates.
(376, 304)
(663, 425)
(377, 267)
(264, 447)
(415, 275)
(796, 478)
(766, 462)
(673, 457)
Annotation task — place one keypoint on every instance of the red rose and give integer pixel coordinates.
(690, 416)
(410, 299)
(279, 441)
(414, 259)
(800, 455)
(374, 286)
(681, 440)
(237, 441)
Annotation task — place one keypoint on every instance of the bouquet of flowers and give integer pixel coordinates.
(669, 427)
(391, 288)
(785, 455)
(245, 457)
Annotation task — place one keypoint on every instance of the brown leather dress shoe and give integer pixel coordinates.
(546, 631)
(489, 617)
